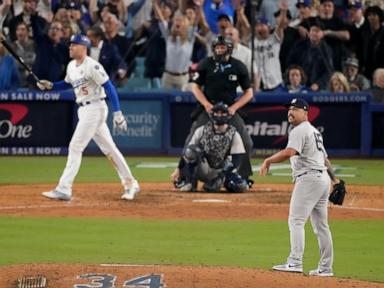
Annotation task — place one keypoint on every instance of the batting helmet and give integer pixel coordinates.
(81, 40)
(234, 183)
(222, 40)
(220, 114)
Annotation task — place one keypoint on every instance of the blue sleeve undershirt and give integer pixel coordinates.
(61, 85)
(110, 90)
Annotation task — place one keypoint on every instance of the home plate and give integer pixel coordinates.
(211, 201)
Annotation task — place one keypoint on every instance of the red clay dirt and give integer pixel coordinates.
(265, 201)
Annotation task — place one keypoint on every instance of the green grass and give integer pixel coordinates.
(259, 244)
(24, 170)
(358, 245)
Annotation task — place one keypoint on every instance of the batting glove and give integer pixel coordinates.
(44, 85)
(119, 121)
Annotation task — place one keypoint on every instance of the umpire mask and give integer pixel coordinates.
(221, 41)
(220, 114)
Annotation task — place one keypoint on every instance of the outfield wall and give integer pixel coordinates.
(42, 123)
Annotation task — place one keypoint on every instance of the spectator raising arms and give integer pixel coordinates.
(51, 53)
(25, 48)
(314, 55)
(179, 47)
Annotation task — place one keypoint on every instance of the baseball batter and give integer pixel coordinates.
(91, 84)
(310, 194)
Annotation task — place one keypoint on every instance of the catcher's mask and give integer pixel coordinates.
(220, 114)
(225, 41)
(234, 183)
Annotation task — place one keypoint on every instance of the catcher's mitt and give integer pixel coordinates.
(338, 193)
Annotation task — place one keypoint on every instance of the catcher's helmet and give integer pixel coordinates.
(220, 114)
(81, 40)
(222, 40)
(234, 183)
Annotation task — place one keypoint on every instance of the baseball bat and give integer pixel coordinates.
(18, 58)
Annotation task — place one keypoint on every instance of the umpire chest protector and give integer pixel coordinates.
(216, 146)
(220, 79)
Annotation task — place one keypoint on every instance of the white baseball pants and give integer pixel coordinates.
(92, 125)
(310, 199)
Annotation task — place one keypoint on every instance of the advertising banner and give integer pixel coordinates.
(145, 125)
(268, 126)
(35, 124)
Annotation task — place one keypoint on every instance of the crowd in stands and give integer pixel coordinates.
(298, 45)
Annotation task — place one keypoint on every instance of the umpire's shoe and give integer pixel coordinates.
(130, 193)
(54, 194)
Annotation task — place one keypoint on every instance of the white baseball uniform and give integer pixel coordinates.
(310, 194)
(87, 80)
(267, 59)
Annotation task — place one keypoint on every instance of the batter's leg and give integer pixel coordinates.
(89, 121)
(105, 141)
(319, 220)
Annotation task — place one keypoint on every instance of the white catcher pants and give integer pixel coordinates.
(92, 125)
(310, 199)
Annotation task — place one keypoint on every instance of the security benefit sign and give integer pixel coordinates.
(145, 123)
(339, 124)
(35, 124)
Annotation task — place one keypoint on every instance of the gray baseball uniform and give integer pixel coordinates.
(310, 194)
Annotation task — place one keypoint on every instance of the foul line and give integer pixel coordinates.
(131, 265)
(361, 208)
(51, 206)
(106, 204)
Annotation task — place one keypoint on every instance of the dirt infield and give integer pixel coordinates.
(265, 201)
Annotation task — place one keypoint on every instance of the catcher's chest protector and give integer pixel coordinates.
(216, 146)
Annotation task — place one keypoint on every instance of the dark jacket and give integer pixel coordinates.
(315, 60)
(51, 58)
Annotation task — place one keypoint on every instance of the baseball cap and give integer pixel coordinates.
(262, 20)
(352, 61)
(74, 5)
(299, 103)
(355, 4)
(306, 3)
(81, 40)
(224, 16)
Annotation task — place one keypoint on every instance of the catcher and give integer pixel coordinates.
(212, 156)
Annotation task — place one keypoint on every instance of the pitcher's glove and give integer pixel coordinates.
(338, 193)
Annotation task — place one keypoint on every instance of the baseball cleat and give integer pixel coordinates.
(54, 194)
(321, 273)
(287, 267)
(187, 187)
(130, 193)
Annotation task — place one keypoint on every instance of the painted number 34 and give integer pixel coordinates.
(108, 281)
